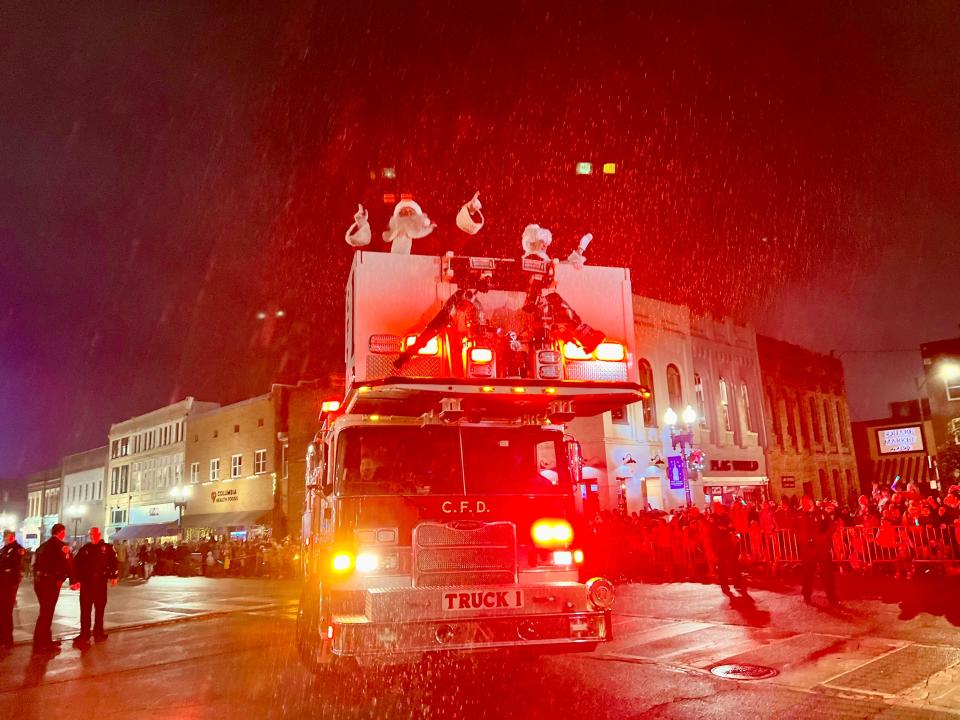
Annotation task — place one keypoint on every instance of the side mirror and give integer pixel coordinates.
(574, 460)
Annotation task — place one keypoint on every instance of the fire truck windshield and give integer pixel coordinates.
(443, 460)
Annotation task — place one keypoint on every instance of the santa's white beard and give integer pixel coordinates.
(404, 229)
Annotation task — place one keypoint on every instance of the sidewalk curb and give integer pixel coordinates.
(171, 621)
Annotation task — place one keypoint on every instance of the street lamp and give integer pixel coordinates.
(76, 512)
(683, 441)
(8, 521)
(181, 495)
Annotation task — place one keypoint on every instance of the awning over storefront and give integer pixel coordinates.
(743, 481)
(909, 468)
(149, 530)
(217, 521)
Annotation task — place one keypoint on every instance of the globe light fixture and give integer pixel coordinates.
(670, 417)
(181, 495)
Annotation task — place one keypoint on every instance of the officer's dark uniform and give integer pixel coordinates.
(11, 572)
(724, 544)
(53, 564)
(94, 565)
(815, 538)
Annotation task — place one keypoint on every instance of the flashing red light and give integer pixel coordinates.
(406, 196)
(578, 556)
(551, 532)
(389, 198)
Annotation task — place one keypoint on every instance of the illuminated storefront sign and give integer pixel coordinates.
(900, 440)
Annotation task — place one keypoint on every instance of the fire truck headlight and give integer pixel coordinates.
(562, 557)
(600, 593)
(551, 533)
(341, 562)
(367, 563)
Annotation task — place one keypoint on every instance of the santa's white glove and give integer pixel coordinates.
(358, 234)
(577, 258)
(470, 219)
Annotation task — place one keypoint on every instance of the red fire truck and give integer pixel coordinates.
(444, 503)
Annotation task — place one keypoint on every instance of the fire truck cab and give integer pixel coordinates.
(444, 503)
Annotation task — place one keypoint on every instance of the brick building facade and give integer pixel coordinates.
(810, 449)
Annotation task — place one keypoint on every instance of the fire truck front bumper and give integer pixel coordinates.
(356, 636)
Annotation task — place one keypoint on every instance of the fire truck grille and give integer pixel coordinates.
(597, 370)
(458, 554)
(381, 366)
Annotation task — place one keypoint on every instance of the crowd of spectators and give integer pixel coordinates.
(625, 545)
(208, 556)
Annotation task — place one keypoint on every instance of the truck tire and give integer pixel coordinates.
(311, 624)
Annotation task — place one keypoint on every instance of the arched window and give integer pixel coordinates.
(725, 406)
(649, 402)
(674, 388)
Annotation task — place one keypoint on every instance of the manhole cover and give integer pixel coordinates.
(743, 671)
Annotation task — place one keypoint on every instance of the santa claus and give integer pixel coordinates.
(408, 223)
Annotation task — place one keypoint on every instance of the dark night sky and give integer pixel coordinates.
(167, 170)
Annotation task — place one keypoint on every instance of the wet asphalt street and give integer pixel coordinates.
(840, 664)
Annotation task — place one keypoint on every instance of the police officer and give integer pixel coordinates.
(11, 572)
(95, 564)
(815, 537)
(53, 564)
(723, 541)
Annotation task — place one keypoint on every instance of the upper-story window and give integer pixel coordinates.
(701, 402)
(649, 402)
(745, 404)
(674, 388)
(953, 388)
(236, 465)
(725, 406)
(260, 462)
(215, 469)
(841, 424)
(790, 408)
(828, 420)
(194, 472)
(815, 424)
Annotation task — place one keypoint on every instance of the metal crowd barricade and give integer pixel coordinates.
(859, 548)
